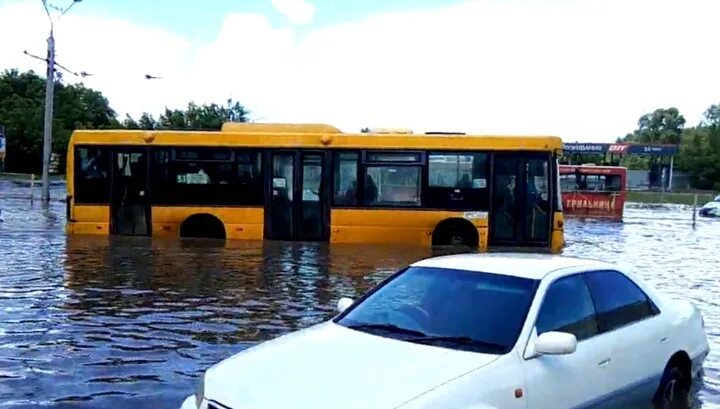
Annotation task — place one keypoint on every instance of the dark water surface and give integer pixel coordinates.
(93, 322)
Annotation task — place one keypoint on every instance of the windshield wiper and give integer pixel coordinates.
(388, 328)
(459, 340)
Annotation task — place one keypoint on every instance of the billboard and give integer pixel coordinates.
(621, 148)
(585, 147)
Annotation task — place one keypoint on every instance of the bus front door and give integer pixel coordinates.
(298, 208)
(521, 205)
(130, 206)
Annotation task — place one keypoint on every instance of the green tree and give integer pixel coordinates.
(147, 122)
(712, 116)
(700, 151)
(202, 117)
(22, 101)
(664, 125)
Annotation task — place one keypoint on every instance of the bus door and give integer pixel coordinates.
(129, 202)
(521, 204)
(298, 208)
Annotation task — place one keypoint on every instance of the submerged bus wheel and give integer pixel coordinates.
(455, 232)
(203, 226)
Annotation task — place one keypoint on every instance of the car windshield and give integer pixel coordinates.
(458, 309)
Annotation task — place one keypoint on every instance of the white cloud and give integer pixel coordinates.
(117, 53)
(299, 12)
(581, 69)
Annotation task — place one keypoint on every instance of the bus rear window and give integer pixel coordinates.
(587, 182)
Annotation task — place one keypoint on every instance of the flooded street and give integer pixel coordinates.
(94, 322)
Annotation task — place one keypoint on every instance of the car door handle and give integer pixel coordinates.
(663, 339)
(604, 362)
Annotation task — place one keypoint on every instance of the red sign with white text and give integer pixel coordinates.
(594, 204)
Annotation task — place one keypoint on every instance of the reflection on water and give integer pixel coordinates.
(130, 322)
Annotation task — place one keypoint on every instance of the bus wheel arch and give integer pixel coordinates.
(203, 225)
(455, 231)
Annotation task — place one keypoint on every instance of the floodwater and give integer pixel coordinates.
(93, 322)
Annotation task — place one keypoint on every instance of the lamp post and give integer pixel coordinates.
(49, 96)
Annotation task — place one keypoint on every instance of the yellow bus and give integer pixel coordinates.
(313, 182)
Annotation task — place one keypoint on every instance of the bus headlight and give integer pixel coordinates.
(200, 391)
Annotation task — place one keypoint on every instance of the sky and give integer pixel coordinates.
(584, 70)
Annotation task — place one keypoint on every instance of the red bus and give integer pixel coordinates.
(593, 191)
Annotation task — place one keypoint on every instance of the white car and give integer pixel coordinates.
(477, 331)
(711, 209)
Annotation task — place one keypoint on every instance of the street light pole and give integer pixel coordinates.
(49, 98)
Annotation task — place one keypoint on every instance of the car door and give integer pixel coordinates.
(633, 327)
(576, 379)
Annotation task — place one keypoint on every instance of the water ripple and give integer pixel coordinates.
(97, 322)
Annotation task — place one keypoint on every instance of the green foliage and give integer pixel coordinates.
(633, 162)
(661, 126)
(22, 109)
(700, 152)
(198, 117)
(712, 116)
(22, 97)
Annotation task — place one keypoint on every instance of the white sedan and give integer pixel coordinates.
(711, 209)
(477, 331)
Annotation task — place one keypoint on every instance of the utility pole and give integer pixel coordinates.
(49, 94)
(49, 98)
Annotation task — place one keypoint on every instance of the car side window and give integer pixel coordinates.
(568, 307)
(618, 300)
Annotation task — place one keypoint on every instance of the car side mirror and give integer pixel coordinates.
(556, 343)
(344, 303)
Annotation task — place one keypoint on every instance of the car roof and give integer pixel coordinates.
(526, 265)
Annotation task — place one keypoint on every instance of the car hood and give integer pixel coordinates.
(330, 366)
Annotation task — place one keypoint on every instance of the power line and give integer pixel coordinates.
(82, 74)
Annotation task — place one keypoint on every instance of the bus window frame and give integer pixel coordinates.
(334, 164)
(156, 200)
(173, 153)
(366, 162)
(77, 172)
(572, 171)
(427, 189)
(557, 205)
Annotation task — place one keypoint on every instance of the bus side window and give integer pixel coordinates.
(92, 175)
(613, 183)
(249, 188)
(346, 169)
(458, 180)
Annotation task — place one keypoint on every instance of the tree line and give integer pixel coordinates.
(22, 97)
(699, 145)
(22, 109)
